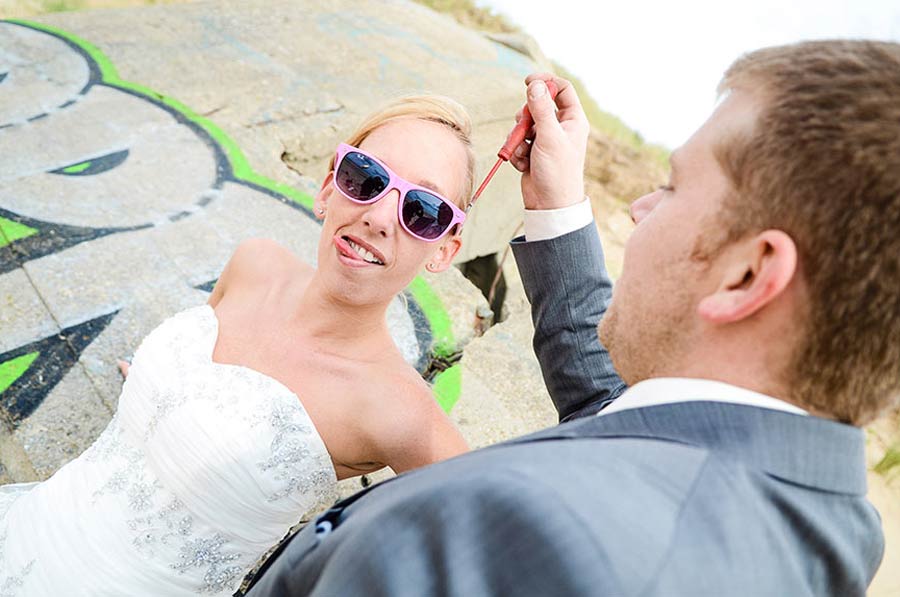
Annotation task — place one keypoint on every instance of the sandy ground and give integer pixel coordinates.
(884, 493)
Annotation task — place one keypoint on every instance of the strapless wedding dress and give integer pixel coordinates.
(203, 468)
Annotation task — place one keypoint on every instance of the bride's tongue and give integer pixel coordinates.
(356, 252)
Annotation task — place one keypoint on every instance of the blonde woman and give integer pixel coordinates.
(239, 416)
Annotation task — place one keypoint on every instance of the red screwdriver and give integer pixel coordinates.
(515, 138)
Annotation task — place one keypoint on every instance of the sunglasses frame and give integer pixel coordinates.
(403, 186)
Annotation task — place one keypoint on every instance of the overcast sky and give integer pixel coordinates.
(656, 63)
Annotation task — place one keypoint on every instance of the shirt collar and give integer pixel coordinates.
(666, 390)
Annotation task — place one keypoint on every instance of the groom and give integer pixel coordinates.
(757, 320)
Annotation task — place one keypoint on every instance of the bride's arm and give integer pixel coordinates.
(422, 435)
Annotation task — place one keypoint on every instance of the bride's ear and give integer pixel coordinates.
(443, 257)
(320, 203)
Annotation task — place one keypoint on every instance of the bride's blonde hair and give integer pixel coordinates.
(433, 108)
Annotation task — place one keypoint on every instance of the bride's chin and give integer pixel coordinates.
(344, 290)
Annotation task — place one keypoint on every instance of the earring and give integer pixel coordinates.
(321, 211)
(430, 267)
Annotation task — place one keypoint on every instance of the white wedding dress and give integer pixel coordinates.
(203, 468)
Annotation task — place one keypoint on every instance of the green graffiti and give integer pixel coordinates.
(448, 384)
(447, 387)
(433, 308)
(13, 369)
(76, 168)
(11, 231)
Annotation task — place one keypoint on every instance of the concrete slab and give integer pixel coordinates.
(503, 362)
(462, 303)
(124, 153)
(38, 67)
(242, 212)
(23, 315)
(15, 467)
(64, 425)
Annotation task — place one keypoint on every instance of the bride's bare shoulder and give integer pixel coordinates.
(258, 261)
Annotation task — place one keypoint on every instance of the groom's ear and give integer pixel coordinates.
(320, 203)
(757, 272)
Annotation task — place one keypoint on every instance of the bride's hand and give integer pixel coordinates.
(123, 367)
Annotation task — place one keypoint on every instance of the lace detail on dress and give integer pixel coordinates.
(165, 403)
(200, 553)
(291, 456)
(173, 518)
(127, 477)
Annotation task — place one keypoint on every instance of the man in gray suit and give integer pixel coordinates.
(757, 320)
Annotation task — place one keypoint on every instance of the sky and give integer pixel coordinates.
(656, 63)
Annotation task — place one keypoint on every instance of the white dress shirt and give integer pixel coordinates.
(666, 390)
(544, 224)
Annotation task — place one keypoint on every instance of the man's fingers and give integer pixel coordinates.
(522, 150)
(520, 164)
(566, 99)
(553, 169)
(545, 76)
(541, 105)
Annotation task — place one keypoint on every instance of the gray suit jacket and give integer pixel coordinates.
(697, 498)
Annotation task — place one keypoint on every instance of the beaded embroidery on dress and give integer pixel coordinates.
(203, 468)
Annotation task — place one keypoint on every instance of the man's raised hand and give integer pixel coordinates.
(552, 164)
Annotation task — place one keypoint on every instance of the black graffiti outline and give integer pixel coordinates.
(58, 354)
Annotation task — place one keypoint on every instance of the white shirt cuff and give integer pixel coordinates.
(544, 224)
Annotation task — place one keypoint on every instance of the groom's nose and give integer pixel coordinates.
(381, 216)
(641, 207)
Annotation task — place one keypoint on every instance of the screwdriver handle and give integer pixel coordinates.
(517, 135)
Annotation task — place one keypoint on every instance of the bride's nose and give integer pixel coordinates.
(381, 216)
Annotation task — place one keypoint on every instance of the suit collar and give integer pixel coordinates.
(805, 450)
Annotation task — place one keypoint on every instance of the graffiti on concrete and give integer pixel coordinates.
(28, 371)
(119, 205)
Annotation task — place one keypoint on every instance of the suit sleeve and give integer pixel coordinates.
(567, 285)
(494, 538)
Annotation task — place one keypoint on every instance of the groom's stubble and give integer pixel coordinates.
(650, 329)
(645, 346)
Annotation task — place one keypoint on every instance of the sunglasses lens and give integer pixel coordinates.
(426, 215)
(360, 177)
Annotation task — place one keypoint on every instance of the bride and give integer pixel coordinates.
(239, 416)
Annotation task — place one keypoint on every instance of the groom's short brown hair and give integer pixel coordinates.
(823, 165)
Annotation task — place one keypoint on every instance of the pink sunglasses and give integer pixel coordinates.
(424, 214)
